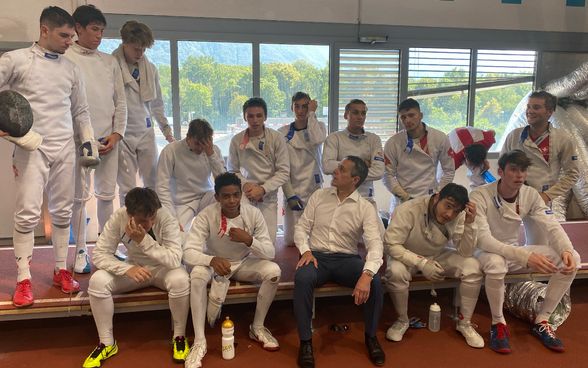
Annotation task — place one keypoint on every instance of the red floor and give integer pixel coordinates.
(144, 339)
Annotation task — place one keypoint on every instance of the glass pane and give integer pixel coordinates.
(439, 80)
(287, 69)
(215, 81)
(160, 55)
(372, 76)
(503, 78)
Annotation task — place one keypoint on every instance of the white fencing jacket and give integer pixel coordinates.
(410, 172)
(54, 87)
(555, 177)
(499, 223)
(304, 150)
(104, 88)
(208, 237)
(412, 234)
(183, 176)
(164, 249)
(367, 146)
(260, 160)
(140, 112)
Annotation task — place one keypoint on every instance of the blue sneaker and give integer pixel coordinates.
(544, 332)
(499, 335)
(82, 264)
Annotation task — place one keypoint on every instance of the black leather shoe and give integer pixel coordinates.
(377, 355)
(305, 356)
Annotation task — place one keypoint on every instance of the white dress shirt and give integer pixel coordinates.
(329, 225)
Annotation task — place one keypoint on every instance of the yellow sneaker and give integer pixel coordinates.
(100, 353)
(181, 349)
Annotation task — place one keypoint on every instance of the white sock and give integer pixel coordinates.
(400, 302)
(495, 294)
(469, 297)
(556, 288)
(179, 308)
(23, 253)
(78, 223)
(105, 209)
(265, 297)
(103, 310)
(198, 302)
(60, 240)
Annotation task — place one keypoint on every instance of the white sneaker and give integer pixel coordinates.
(473, 338)
(197, 352)
(82, 264)
(397, 330)
(263, 336)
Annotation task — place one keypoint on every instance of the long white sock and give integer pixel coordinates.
(495, 294)
(400, 302)
(469, 297)
(179, 308)
(78, 223)
(556, 288)
(23, 253)
(105, 208)
(265, 297)
(198, 302)
(60, 240)
(103, 310)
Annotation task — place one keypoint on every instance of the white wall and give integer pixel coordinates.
(19, 18)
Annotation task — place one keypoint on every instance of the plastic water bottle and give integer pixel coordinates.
(488, 177)
(228, 340)
(434, 317)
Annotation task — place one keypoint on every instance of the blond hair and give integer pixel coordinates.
(133, 32)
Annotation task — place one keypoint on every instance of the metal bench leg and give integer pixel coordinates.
(456, 302)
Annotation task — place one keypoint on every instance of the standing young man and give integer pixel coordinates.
(152, 238)
(354, 140)
(501, 208)
(435, 235)
(185, 173)
(304, 138)
(412, 156)
(137, 150)
(54, 87)
(108, 110)
(229, 240)
(333, 223)
(259, 157)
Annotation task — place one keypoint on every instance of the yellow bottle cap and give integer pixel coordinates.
(227, 323)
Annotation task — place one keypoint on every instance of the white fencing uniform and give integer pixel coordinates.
(208, 238)
(412, 172)
(367, 146)
(108, 111)
(160, 252)
(54, 87)
(262, 160)
(304, 149)
(137, 150)
(498, 224)
(184, 180)
(555, 177)
(414, 236)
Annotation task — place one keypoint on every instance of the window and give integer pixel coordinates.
(215, 81)
(370, 75)
(503, 78)
(439, 80)
(159, 54)
(287, 69)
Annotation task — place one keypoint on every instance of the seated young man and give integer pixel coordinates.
(327, 235)
(501, 208)
(229, 240)
(437, 236)
(152, 238)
